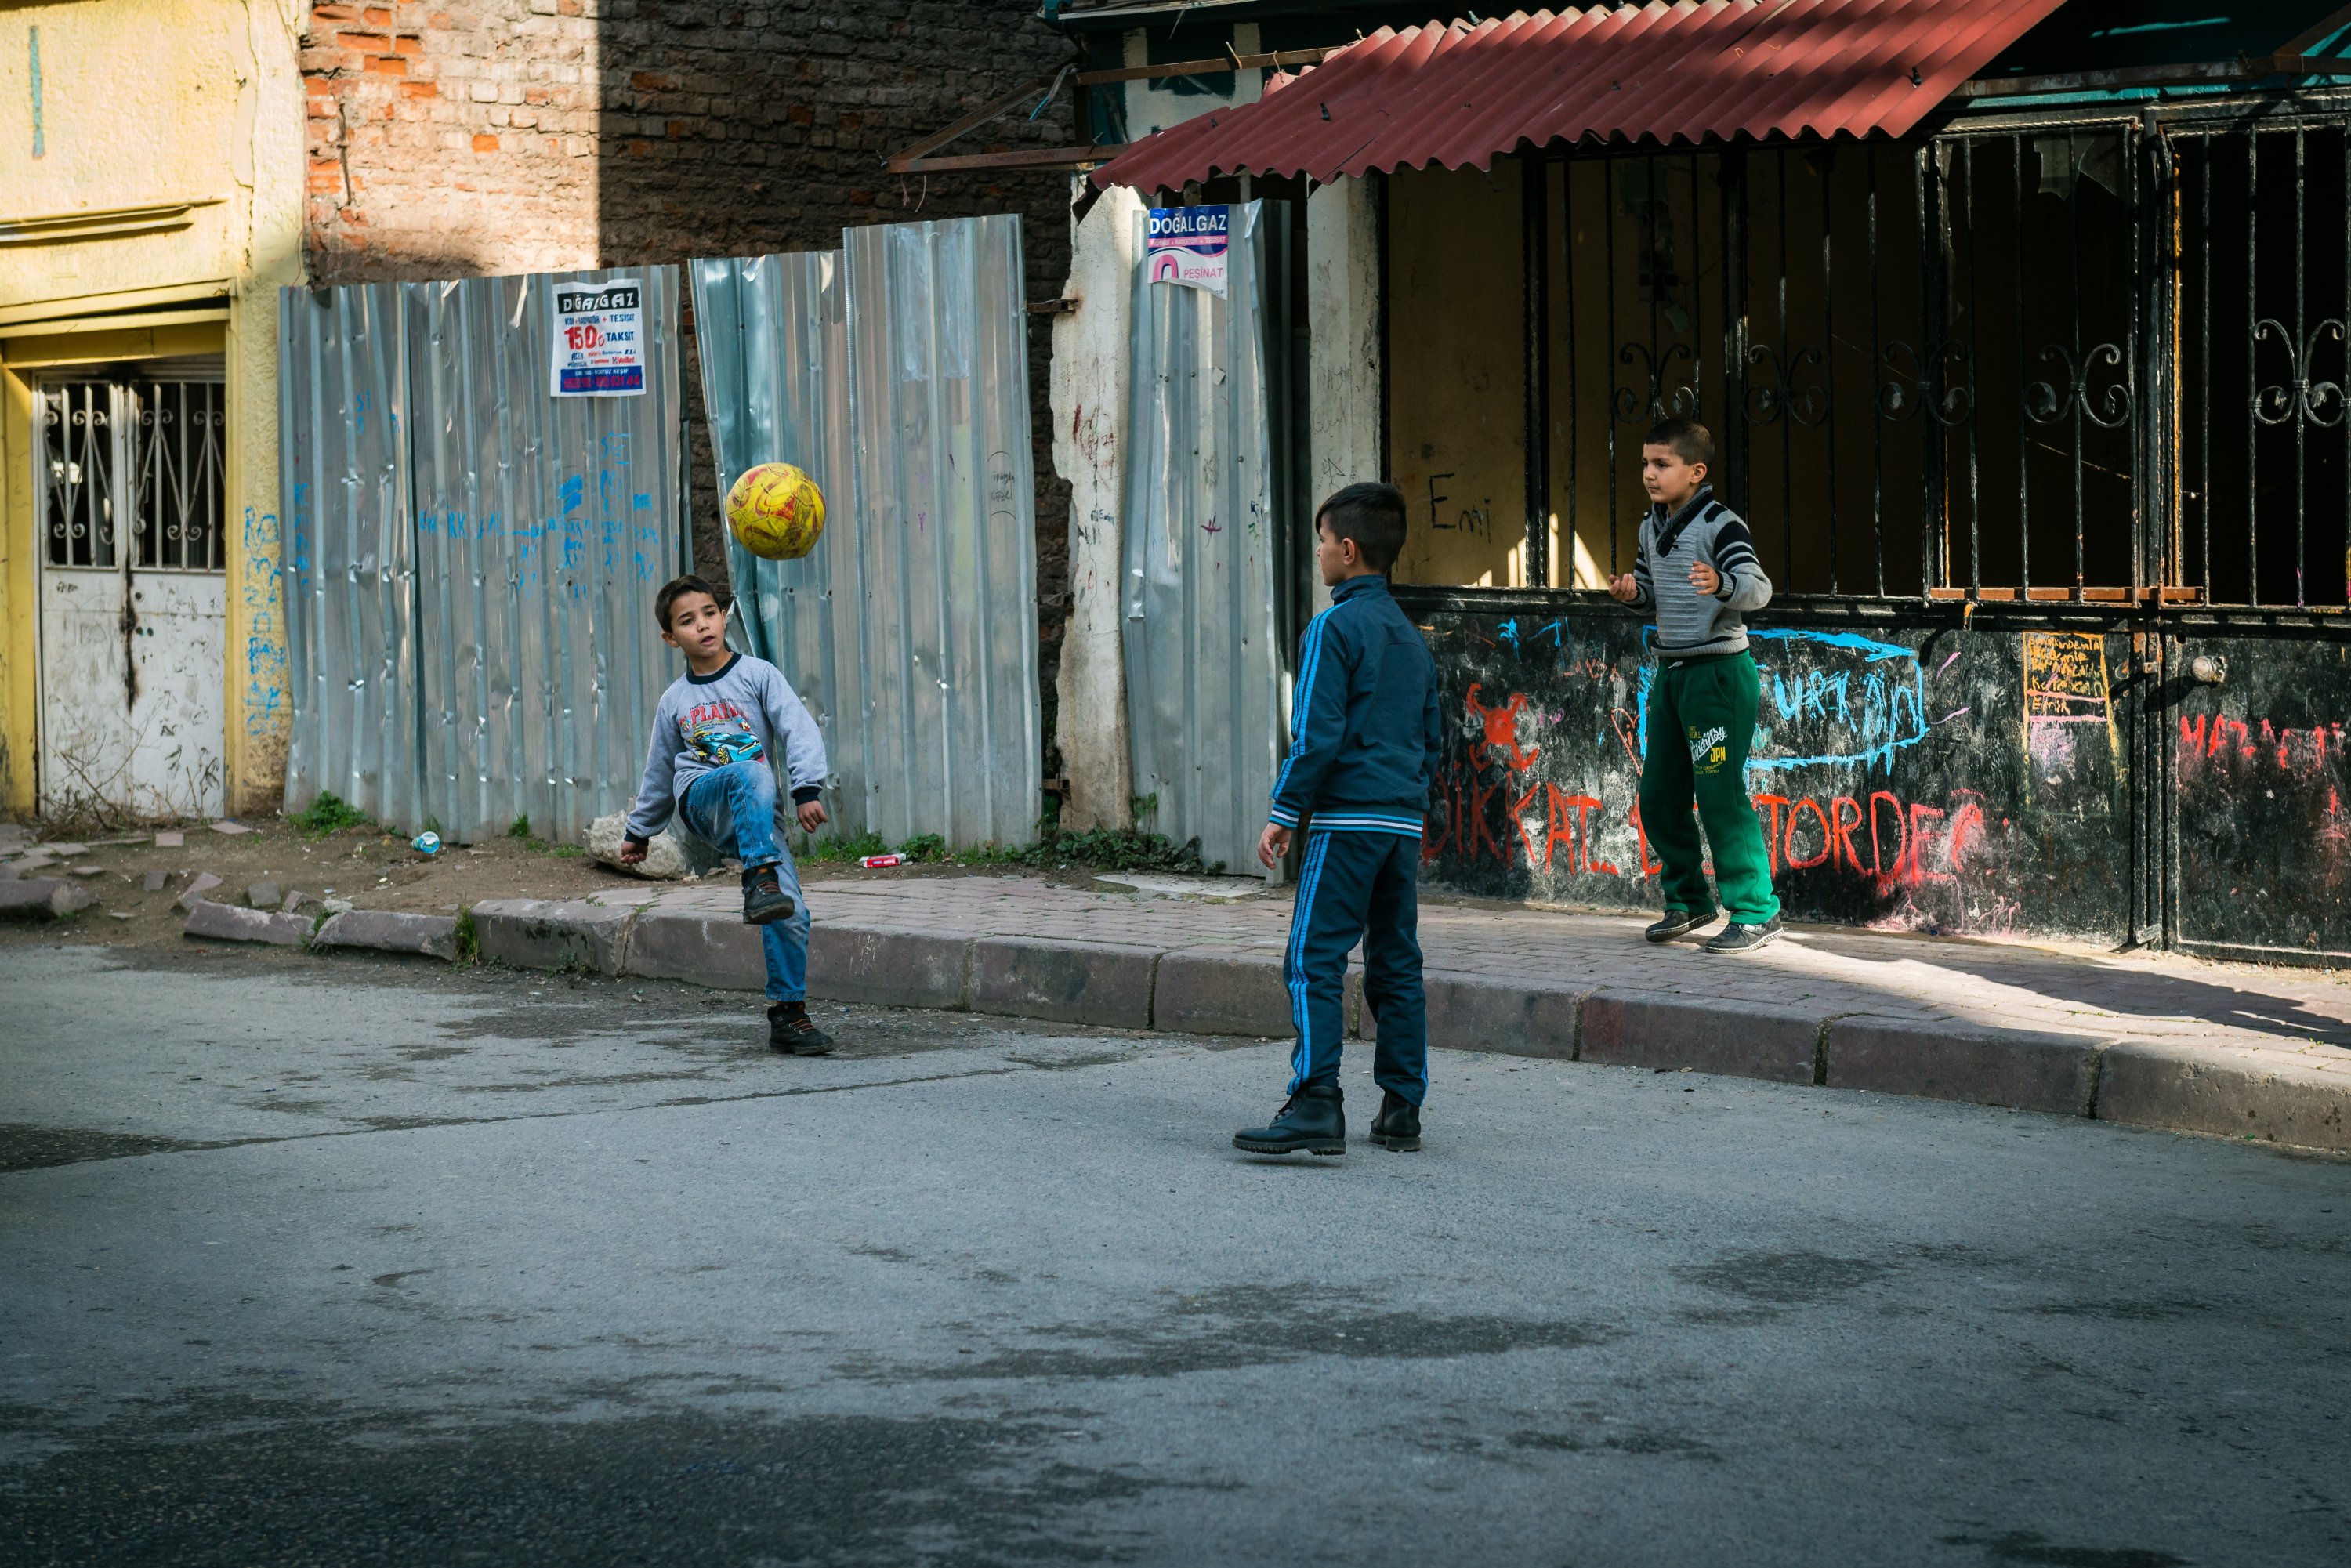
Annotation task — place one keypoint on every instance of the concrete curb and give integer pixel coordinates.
(387, 931)
(42, 897)
(1214, 990)
(226, 923)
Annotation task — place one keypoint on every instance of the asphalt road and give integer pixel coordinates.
(311, 1261)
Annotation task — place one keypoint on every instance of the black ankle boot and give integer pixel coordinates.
(764, 898)
(791, 1032)
(1314, 1121)
(1397, 1126)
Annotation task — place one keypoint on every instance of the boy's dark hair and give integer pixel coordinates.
(678, 588)
(1370, 514)
(1692, 443)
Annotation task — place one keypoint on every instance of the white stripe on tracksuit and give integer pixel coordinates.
(1302, 704)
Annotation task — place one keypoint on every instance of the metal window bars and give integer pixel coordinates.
(2096, 359)
(149, 451)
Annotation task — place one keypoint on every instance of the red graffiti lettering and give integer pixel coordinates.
(1828, 836)
(1918, 836)
(1519, 820)
(1649, 868)
(1841, 828)
(1479, 827)
(1901, 852)
(1967, 823)
(1777, 805)
(2191, 740)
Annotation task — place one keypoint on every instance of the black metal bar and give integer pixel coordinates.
(2024, 443)
(2302, 348)
(2253, 369)
(1975, 489)
(1608, 293)
(1698, 316)
(1876, 424)
(1930, 332)
(1787, 424)
(1829, 344)
(1574, 365)
(2204, 389)
(1534, 223)
(2081, 366)
(1379, 195)
(1734, 449)
(2342, 140)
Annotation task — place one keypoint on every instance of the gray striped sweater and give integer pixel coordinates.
(1691, 624)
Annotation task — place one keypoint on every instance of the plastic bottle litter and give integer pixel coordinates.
(877, 863)
(426, 843)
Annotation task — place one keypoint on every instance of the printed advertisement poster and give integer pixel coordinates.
(1188, 246)
(600, 339)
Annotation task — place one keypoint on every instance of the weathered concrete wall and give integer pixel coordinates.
(1342, 312)
(1093, 359)
(168, 140)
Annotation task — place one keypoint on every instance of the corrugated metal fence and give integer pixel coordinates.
(473, 560)
(1207, 537)
(895, 372)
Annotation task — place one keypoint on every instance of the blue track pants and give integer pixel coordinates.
(1367, 885)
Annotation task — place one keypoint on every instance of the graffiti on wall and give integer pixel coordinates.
(1896, 778)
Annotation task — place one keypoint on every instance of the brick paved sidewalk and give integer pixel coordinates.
(2154, 1040)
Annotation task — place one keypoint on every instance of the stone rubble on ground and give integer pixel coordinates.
(337, 906)
(389, 931)
(156, 878)
(65, 851)
(195, 891)
(296, 899)
(170, 839)
(226, 826)
(42, 898)
(265, 895)
(669, 857)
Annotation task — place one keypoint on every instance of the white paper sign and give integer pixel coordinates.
(600, 340)
(1188, 246)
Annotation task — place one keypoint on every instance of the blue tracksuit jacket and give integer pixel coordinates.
(1364, 715)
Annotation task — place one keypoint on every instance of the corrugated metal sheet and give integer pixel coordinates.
(473, 623)
(544, 525)
(351, 549)
(1206, 542)
(1458, 95)
(895, 372)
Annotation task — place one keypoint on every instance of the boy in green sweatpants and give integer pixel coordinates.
(1696, 569)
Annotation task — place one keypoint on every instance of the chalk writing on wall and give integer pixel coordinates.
(2065, 691)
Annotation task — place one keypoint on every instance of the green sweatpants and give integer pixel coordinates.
(1701, 722)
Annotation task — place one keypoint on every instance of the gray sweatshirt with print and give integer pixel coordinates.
(1691, 624)
(745, 711)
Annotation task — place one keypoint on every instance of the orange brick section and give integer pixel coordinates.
(500, 136)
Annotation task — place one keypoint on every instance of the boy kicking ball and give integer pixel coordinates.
(716, 735)
(1357, 778)
(1696, 569)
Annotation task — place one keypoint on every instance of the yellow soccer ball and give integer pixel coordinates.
(776, 511)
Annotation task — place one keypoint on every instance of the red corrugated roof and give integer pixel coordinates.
(1458, 95)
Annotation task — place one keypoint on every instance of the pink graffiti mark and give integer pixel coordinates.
(1954, 714)
(1212, 526)
(1946, 665)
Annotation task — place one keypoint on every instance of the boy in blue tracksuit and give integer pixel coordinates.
(1365, 716)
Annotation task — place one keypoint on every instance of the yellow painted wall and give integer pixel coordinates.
(1456, 375)
(162, 172)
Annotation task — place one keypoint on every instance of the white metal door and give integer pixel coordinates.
(133, 599)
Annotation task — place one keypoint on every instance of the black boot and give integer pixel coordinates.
(792, 1032)
(1315, 1121)
(1679, 923)
(764, 898)
(1397, 1126)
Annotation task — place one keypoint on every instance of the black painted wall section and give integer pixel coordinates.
(1925, 777)
(2260, 778)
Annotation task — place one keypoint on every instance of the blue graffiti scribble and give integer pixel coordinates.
(1866, 726)
(1558, 630)
(1508, 633)
(574, 494)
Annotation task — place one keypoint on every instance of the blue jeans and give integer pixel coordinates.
(1358, 885)
(736, 808)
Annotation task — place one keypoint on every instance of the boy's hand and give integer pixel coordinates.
(1624, 589)
(812, 816)
(1704, 578)
(633, 851)
(1272, 844)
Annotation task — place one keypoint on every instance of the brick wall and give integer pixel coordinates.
(456, 139)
